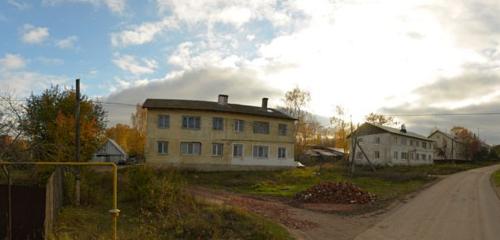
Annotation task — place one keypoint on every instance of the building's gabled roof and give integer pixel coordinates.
(446, 135)
(213, 106)
(396, 131)
(117, 146)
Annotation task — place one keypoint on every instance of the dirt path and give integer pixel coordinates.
(461, 206)
(301, 223)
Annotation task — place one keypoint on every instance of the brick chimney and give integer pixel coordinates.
(222, 99)
(264, 103)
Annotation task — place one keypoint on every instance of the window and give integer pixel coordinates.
(360, 139)
(359, 155)
(191, 122)
(377, 140)
(190, 148)
(239, 125)
(411, 142)
(281, 152)
(395, 140)
(430, 157)
(404, 155)
(163, 121)
(418, 156)
(238, 150)
(217, 149)
(260, 151)
(377, 154)
(424, 144)
(424, 157)
(217, 123)
(282, 129)
(162, 147)
(403, 141)
(261, 127)
(395, 155)
(418, 143)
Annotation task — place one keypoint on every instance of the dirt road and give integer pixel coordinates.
(461, 206)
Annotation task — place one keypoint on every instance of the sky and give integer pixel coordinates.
(386, 56)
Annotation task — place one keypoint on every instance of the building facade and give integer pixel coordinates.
(390, 146)
(217, 135)
(447, 147)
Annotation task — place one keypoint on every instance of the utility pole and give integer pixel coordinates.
(77, 141)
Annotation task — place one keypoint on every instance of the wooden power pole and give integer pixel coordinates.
(77, 141)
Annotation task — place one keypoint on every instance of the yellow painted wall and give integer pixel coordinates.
(175, 134)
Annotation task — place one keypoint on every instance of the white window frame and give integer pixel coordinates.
(192, 153)
(376, 154)
(239, 125)
(285, 129)
(191, 123)
(218, 123)
(219, 149)
(163, 124)
(396, 155)
(261, 122)
(377, 140)
(285, 152)
(242, 150)
(260, 157)
(164, 147)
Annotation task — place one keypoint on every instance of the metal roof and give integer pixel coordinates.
(213, 106)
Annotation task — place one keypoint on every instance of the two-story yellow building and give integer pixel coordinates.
(217, 135)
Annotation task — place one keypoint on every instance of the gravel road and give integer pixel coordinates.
(461, 206)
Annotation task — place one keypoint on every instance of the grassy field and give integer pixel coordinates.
(496, 178)
(154, 206)
(387, 182)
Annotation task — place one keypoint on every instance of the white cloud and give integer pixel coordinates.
(50, 61)
(137, 67)
(140, 34)
(25, 82)
(34, 35)
(67, 43)
(116, 6)
(19, 4)
(234, 12)
(12, 62)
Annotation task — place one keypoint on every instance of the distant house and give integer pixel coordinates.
(390, 146)
(447, 147)
(217, 135)
(110, 152)
(319, 154)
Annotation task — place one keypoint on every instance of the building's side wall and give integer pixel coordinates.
(175, 134)
(453, 150)
(388, 144)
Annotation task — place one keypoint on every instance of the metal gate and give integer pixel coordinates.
(28, 212)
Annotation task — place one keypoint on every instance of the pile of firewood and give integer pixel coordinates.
(335, 192)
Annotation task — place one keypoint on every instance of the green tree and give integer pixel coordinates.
(49, 125)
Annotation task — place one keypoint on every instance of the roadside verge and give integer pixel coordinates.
(495, 182)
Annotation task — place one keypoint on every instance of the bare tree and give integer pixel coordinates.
(380, 119)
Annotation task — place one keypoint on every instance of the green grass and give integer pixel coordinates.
(496, 178)
(154, 206)
(387, 182)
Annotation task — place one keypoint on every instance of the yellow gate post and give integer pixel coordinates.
(115, 211)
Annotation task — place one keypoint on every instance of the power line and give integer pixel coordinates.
(442, 114)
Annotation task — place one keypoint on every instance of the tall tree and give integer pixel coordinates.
(138, 119)
(49, 124)
(128, 138)
(296, 101)
(342, 127)
(380, 119)
(472, 143)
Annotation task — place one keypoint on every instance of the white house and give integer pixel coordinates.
(390, 146)
(447, 147)
(110, 152)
